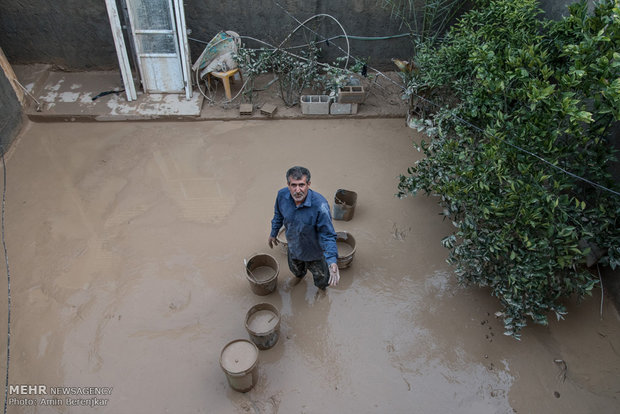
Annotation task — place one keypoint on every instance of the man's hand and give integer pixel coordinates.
(334, 274)
(272, 241)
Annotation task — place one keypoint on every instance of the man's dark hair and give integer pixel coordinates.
(297, 173)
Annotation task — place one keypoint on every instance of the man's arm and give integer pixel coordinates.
(276, 224)
(327, 239)
(327, 235)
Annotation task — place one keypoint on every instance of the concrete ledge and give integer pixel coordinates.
(67, 97)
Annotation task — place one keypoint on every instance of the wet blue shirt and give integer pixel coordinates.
(309, 230)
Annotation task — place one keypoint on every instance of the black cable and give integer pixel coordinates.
(107, 93)
(8, 279)
(524, 150)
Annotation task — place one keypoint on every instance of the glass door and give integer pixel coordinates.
(155, 35)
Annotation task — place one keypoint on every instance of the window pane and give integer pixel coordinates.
(157, 43)
(152, 14)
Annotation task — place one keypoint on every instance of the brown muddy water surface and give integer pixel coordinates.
(126, 244)
(263, 273)
(344, 249)
(262, 321)
(238, 357)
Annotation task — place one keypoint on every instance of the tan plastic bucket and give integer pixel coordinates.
(263, 324)
(239, 361)
(346, 249)
(262, 273)
(344, 204)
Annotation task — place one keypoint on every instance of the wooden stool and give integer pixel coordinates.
(225, 78)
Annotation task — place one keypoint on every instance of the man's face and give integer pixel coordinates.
(299, 189)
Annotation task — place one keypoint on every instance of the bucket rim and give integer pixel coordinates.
(345, 194)
(282, 230)
(246, 371)
(344, 240)
(262, 282)
(258, 307)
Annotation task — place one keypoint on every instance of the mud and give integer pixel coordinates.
(126, 243)
(238, 357)
(263, 273)
(344, 249)
(262, 321)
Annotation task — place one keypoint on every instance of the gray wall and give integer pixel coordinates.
(75, 34)
(556, 9)
(266, 21)
(10, 113)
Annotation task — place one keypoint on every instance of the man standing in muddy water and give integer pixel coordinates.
(309, 230)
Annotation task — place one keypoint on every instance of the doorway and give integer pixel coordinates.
(158, 34)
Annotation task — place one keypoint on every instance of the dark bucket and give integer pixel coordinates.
(262, 273)
(263, 324)
(346, 249)
(344, 204)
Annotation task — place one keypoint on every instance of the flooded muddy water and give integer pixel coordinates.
(126, 244)
(262, 321)
(263, 273)
(344, 249)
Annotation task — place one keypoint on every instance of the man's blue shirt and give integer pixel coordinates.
(309, 230)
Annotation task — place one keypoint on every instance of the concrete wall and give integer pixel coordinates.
(10, 113)
(268, 22)
(556, 9)
(75, 34)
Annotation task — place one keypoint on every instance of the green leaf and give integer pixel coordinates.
(582, 116)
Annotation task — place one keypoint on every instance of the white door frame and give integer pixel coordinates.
(121, 51)
(179, 11)
(153, 26)
(162, 50)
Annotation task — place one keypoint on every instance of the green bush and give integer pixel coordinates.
(528, 103)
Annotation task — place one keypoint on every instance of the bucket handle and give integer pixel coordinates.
(245, 262)
(342, 191)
